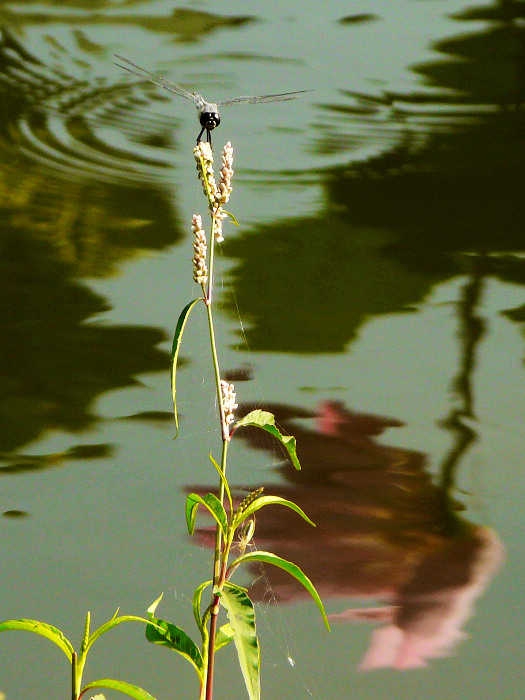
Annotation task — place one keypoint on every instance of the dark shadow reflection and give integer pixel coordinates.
(461, 420)
(183, 24)
(53, 362)
(446, 181)
(59, 224)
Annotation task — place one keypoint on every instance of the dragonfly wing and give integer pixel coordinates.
(152, 78)
(261, 98)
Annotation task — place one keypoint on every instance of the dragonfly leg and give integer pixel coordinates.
(201, 133)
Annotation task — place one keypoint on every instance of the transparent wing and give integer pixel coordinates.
(261, 98)
(152, 78)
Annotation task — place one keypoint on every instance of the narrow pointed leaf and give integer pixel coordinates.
(44, 630)
(292, 569)
(204, 173)
(266, 421)
(168, 635)
(242, 620)
(224, 636)
(152, 608)
(197, 607)
(133, 691)
(233, 219)
(85, 639)
(113, 623)
(212, 503)
(175, 353)
(266, 501)
(224, 482)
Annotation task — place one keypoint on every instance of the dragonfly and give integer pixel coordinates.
(208, 112)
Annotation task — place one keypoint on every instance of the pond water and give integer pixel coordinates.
(372, 298)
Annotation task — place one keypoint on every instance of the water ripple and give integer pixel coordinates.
(77, 126)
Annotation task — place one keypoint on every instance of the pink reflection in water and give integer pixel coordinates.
(385, 532)
(431, 609)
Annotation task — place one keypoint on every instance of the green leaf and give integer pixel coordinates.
(224, 482)
(168, 635)
(109, 625)
(213, 504)
(127, 688)
(175, 352)
(266, 501)
(197, 607)
(234, 220)
(224, 636)
(43, 629)
(204, 173)
(85, 639)
(292, 569)
(242, 620)
(153, 606)
(266, 421)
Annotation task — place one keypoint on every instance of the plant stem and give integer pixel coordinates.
(211, 648)
(218, 565)
(211, 261)
(74, 695)
(220, 554)
(215, 606)
(224, 426)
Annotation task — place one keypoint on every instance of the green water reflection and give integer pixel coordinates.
(397, 224)
(437, 200)
(56, 230)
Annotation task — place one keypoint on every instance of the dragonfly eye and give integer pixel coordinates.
(209, 120)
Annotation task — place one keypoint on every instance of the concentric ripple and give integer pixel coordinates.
(80, 126)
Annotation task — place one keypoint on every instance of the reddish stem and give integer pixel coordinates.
(211, 648)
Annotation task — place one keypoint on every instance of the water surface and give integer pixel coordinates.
(377, 279)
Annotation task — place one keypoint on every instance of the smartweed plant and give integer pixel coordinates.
(78, 660)
(230, 520)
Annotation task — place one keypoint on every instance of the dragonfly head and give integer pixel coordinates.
(209, 118)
